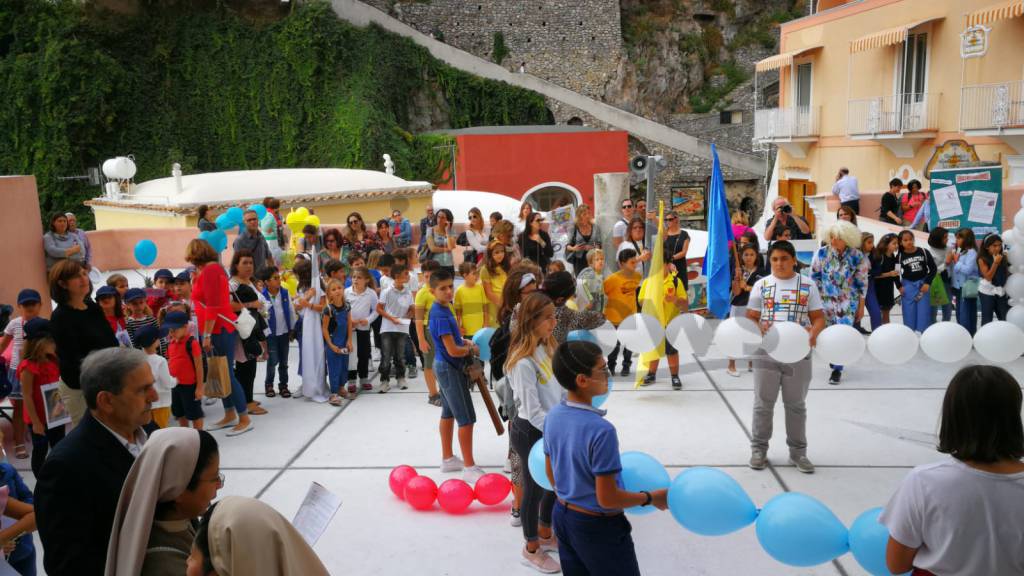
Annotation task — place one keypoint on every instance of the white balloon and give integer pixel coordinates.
(1016, 256)
(607, 337)
(1018, 220)
(641, 332)
(690, 334)
(1008, 236)
(946, 342)
(893, 344)
(999, 341)
(840, 344)
(737, 337)
(787, 342)
(1016, 316)
(1015, 286)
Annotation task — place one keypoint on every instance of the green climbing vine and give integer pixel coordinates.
(214, 92)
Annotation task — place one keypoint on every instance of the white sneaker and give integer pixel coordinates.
(402, 385)
(453, 464)
(517, 519)
(385, 386)
(541, 561)
(507, 468)
(472, 474)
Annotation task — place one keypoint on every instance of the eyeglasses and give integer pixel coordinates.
(626, 206)
(670, 219)
(250, 220)
(219, 480)
(602, 372)
(351, 222)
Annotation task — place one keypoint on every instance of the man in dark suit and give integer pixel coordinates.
(80, 483)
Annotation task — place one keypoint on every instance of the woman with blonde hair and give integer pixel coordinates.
(529, 373)
(585, 237)
(840, 271)
(476, 236)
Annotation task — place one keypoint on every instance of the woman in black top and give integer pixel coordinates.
(883, 273)
(204, 223)
(584, 238)
(535, 243)
(917, 270)
(890, 208)
(994, 271)
(677, 244)
(79, 327)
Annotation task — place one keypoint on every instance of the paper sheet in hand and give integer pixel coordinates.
(947, 201)
(316, 512)
(983, 207)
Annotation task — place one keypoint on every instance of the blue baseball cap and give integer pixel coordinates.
(106, 291)
(175, 319)
(37, 328)
(163, 273)
(145, 336)
(28, 295)
(183, 277)
(134, 294)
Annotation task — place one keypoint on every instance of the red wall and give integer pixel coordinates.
(511, 164)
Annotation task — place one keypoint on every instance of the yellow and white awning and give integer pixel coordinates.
(782, 60)
(887, 37)
(1002, 11)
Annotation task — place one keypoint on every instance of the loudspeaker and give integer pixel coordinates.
(638, 165)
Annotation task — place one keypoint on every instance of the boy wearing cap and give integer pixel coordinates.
(38, 368)
(148, 338)
(163, 281)
(139, 313)
(28, 308)
(185, 363)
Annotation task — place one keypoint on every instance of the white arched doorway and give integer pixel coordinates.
(544, 197)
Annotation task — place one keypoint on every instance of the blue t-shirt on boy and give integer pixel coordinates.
(582, 445)
(442, 322)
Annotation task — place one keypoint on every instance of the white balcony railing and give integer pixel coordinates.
(784, 123)
(992, 106)
(893, 115)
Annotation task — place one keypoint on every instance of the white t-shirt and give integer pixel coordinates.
(961, 520)
(619, 229)
(16, 330)
(162, 380)
(396, 303)
(786, 300)
(534, 387)
(362, 306)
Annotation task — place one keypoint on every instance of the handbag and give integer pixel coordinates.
(218, 377)
(937, 292)
(970, 288)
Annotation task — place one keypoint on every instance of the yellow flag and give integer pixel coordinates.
(652, 295)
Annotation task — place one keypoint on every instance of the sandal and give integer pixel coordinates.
(334, 400)
(286, 393)
(20, 452)
(271, 393)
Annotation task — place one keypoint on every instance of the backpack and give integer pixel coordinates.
(500, 341)
(188, 350)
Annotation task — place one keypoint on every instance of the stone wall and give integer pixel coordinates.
(576, 44)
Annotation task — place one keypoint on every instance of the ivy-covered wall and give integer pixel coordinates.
(213, 92)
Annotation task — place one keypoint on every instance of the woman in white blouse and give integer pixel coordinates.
(476, 235)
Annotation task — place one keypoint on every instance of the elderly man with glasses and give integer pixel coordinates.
(252, 239)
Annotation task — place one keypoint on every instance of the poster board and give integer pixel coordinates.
(967, 198)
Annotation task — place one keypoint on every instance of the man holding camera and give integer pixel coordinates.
(785, 219)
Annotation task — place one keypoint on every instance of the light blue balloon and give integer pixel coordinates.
(599, 400)
(236, 215)
(538, 465)
(259, 209)
(224, 222)
(145, 252)
(798, 530)
(482, 339)
(218, 240)
(642, 471)
(582, 336)
(868, 540)
(204, 235)
(709, 502)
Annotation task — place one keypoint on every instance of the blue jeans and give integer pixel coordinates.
(455, 399)
(277, 349)
(591, 545)
(989, 304)
(966, 311)
(25, 566)
(224, 345)
(917, 311)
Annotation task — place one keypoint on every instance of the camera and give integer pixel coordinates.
(787, 209)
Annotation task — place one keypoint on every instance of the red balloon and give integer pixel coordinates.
(454, 496)
(420, 492)
(492, 489)
(399, 477)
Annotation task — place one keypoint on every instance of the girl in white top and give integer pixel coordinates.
(362, 301)
(536, 392)
(963, 515)
(476, 235)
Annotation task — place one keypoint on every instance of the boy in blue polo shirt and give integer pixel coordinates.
(456, 403)
(583, 465)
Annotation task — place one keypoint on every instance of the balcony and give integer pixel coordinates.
(994, 110)
(900, 122)
(793, 129)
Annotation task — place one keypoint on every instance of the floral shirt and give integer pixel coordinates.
(842, 280)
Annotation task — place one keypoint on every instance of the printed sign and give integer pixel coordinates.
(974, 41)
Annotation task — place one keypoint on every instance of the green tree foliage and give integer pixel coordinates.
(217, 93)
(499, 50)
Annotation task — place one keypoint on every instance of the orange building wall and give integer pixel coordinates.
(22, 240)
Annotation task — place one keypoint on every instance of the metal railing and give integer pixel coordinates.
(992, 106)
(909, 112)
(782, 123)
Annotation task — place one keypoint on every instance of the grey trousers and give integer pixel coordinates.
(793, 380)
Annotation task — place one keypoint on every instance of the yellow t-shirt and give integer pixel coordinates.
(674, 289)
(469, 302)
(425, 299)
(497, 281)
(621, 292)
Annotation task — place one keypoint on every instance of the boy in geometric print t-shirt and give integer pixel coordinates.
(783, 296)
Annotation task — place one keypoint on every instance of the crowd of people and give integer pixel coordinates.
(125, 493)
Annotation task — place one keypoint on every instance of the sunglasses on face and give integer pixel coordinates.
(250, 219)
(352, 222)
(626, 206)
(670, 219)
